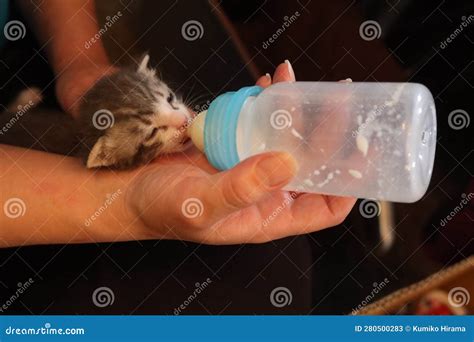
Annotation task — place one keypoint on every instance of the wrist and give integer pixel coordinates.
(118, 208)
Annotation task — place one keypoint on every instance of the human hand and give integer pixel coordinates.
(184, 197)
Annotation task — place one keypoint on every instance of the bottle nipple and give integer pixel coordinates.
(196, 130)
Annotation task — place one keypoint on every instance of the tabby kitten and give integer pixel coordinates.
(130, 117)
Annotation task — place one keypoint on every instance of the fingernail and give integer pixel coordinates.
(290, 68)
(267, 75)
(276, 169)
(348, 79)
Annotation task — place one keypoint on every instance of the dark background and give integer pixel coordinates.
(328, 272)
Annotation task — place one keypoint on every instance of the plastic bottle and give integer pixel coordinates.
(368, 140)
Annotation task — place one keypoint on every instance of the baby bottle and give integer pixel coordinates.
(367, 140)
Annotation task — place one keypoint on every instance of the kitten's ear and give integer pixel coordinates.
(101, 154)
(143, 66)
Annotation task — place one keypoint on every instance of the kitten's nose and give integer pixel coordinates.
(177, 119)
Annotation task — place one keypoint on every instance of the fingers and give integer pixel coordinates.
(331, 211)
(281, 216)
(312, 212)
(250, 181)
(264, 81)
(284, 73)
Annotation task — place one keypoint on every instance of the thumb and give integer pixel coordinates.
(252, 180)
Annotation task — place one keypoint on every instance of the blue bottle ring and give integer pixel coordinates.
(220, 127)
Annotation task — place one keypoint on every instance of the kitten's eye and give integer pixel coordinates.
(152, 134)
(155, 130)
(170, 98)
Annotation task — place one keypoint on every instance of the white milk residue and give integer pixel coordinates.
(370, 126)
(362, 144)
(329, 176)
(355, 173)
(296, 134)
(317, 172)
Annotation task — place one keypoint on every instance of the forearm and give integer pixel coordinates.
(64, 27)
(61, 201)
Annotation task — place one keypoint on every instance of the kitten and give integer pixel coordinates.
(126, 119)
(130, 117)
